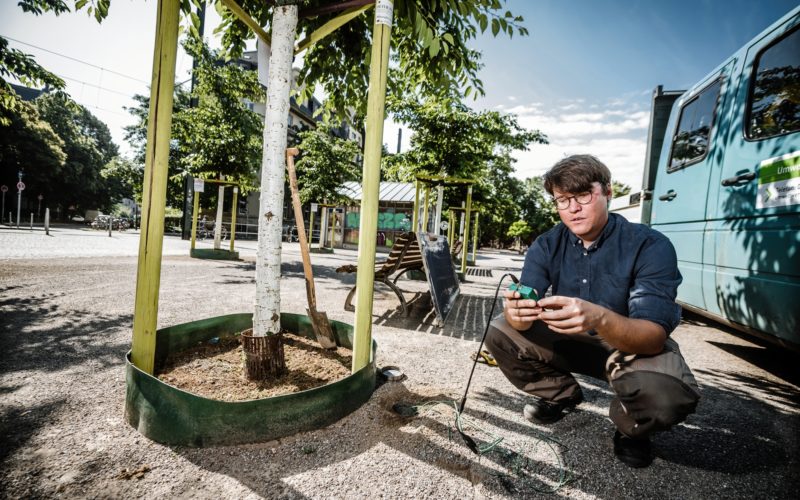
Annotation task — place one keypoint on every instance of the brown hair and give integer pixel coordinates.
(576, 174)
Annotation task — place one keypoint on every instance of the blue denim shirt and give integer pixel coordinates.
(630, 269)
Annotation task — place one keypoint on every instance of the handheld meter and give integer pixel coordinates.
(525, 291)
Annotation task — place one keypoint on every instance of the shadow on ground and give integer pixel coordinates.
(735, 434)
(466, 321)
(39, 333)
(428, 437)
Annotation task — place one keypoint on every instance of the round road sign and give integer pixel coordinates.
(4, 188)
(20, 185)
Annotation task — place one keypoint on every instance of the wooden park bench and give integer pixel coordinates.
(456, 251)
(404, 256)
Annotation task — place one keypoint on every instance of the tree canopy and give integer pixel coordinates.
(29, 144)
(450, 139)
(430, 52)
(327, 162)
(218, 136)
(23, 67)
(61, 148)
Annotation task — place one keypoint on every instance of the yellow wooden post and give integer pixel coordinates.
(475, 237)
(368, 229)
(425, 209)
(148, 273)
(415, 216)
(195, 210)
(233, 215)
(466, 232)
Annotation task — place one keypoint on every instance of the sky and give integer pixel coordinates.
(584, 76)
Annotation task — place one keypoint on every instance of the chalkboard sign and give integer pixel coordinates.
(441, 273)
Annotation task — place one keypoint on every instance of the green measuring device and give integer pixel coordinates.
(525, 291)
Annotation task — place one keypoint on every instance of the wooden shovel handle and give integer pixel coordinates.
(301, 228)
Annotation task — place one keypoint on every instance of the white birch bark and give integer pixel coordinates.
(266, 317)
(218, 220)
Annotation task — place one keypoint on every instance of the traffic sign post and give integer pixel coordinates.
(39, 210)
(20, 188)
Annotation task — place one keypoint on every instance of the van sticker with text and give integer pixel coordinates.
(779, 181)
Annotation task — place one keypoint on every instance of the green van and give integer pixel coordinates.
(722, 182)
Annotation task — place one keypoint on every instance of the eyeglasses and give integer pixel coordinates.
(562, 202)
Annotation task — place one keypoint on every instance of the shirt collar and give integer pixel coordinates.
(605, 233)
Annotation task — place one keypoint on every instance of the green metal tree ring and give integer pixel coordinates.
(172, 416)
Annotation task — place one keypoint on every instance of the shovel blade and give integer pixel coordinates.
(322, 328)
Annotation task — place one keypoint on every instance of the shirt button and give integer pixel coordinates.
(585, 254)
(583, 280)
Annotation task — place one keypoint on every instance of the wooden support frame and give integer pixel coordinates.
(332, 25)
(251, 23)
(154, 197)
(376, 112)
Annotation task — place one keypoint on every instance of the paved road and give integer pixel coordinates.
(65, 319)
(81, 241)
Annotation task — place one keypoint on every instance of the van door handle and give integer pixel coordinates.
(739, 179)
(671, 194)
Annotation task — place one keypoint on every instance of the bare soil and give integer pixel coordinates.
(217, 370)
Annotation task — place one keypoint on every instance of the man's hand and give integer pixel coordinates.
(519, 311)
(570, 314)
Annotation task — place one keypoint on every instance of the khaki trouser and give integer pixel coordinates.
(653, 393)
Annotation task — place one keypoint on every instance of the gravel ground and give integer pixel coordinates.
(66, 305)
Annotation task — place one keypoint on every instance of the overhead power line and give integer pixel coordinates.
(100, 87)
(77, 60)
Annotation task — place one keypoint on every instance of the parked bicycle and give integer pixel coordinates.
(102, 222)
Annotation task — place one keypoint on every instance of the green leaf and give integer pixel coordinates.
(495, 27)
(433, 49)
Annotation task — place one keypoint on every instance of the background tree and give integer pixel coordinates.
(220, 135)
(451, 139)
(538, 209)
(619, 189)
(88, 147)
(124, 179)
(29, 144)
(520, 231)
(136, 136)
(326, 163)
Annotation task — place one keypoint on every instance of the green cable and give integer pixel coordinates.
(517, 460)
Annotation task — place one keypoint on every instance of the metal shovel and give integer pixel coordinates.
(319, 320)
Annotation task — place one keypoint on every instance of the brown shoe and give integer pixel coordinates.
(632, 452)
(543, 411)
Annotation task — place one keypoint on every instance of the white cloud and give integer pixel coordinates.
(616, 133)
(512, 98)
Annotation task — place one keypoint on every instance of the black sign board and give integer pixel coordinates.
(441, 273)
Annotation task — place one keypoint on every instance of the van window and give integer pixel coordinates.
(690, 142)
(775, 94)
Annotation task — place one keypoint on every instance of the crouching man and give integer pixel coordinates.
(610, 315)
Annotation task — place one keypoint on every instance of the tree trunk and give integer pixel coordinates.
(266, 317)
